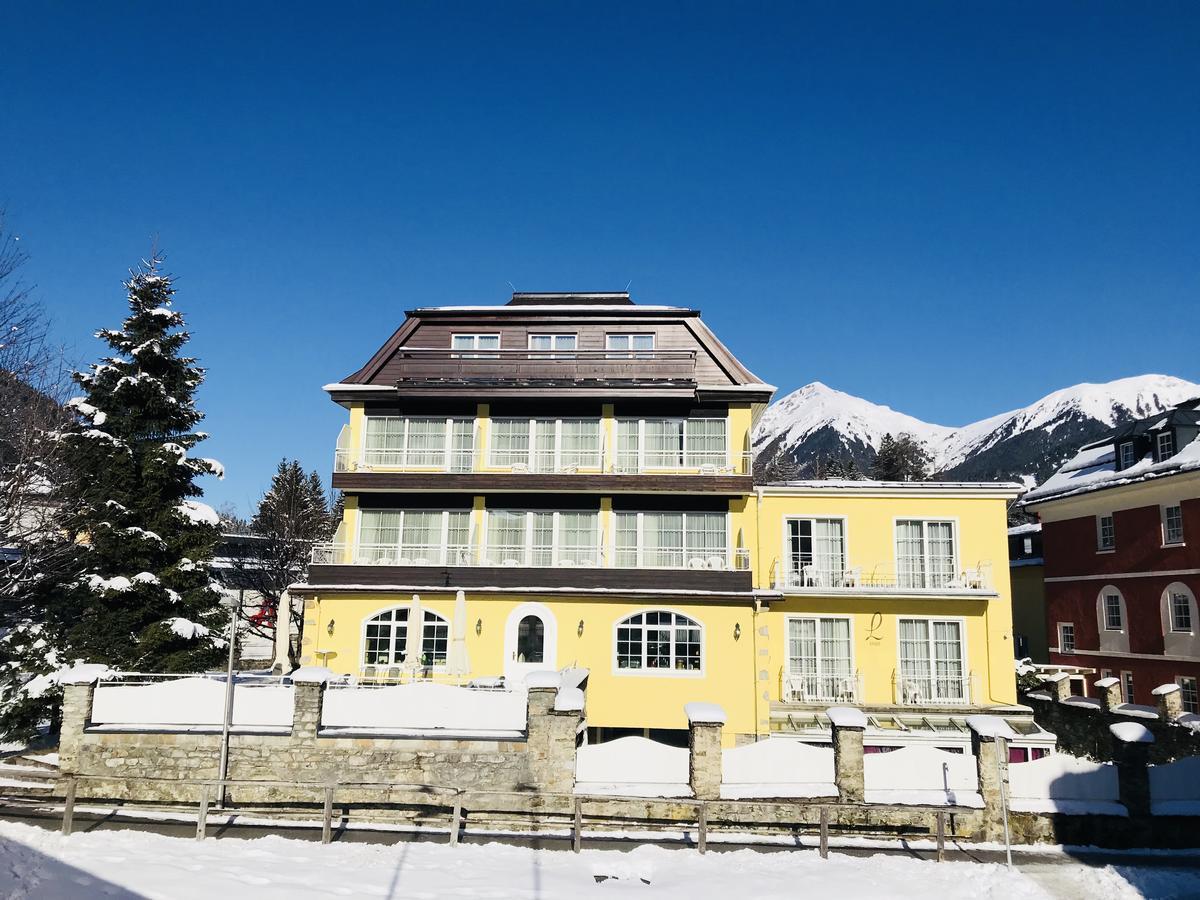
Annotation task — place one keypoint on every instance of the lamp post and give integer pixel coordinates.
(227, 721)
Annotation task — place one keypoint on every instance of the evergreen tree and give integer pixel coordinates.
(146, 601)
(836, 468)
(900, 458)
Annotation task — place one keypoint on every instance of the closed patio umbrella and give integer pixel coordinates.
(416, 630)
(458, 663)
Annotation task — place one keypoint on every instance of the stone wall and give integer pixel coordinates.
(152, 765)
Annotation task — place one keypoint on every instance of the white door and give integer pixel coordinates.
(530, 642)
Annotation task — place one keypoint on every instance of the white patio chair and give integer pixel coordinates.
(810, 576)
(716, 562)
(520, 468)
(696, 562)
(853, 577)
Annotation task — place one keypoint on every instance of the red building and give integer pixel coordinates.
(1121, 543)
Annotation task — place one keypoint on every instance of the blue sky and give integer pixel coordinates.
(948, 208)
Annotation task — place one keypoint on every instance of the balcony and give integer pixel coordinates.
(805, 688)
(433, 367)
(476, 461)
(936, 690)
(813, 580)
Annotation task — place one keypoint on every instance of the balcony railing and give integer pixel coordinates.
(563, 366)
(814, 579)
(520, 556)
(935, 690)
(825, 688)
(470, 460)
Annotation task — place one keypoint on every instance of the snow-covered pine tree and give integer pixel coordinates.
(146, 601)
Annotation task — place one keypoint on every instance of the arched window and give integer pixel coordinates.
(531, 640)
(387, 639)
(1180, 622)
(1112, 620)
(659, 640)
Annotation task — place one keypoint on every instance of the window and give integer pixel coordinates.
(542, 538)
(1127, 686)
(819, 661)
(925, 553)
(630, 345)
(1066, 637)
(1187, 694)
(386, 639)
(475, 342)
(661, 640)
(424, 442)
(1028, 545)
(671, 444)
(1127, 455)
(673, 540)
(531, 640)
(1106, 533)
(546, 445)
(931, 661)
(554, 342)
(1172, 524)
(414, 537)
(1181, 612)
(1165, 445)
(1112, 612)
(816, 552)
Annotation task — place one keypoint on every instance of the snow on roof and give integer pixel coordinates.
(1094, 468)
(1027, 528)
(537, 308)
(864, 486)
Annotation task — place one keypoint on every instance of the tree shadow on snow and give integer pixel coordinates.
(26, 872)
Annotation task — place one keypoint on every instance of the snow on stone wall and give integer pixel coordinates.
(921, 775)
(1175, 788)
(777, 767)
(1064, 783)
(632, 766)
(424, 707)
(198, 702)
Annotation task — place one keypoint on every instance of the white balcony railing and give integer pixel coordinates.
(520, 556)
(815, 579)
(935, 690)
(824, 688)
(562, 462)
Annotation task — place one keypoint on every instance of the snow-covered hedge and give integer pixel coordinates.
(777, 767)
(1065, 784)
(633, 767)
(424, 707)
(921, 775)
(198, 702)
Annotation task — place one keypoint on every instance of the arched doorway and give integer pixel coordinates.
(530, 642)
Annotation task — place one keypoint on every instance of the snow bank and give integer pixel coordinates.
(921, 775)
(191, 701)
(1175, 788)
(633, 766)
(1066, 784)
(777, 767)
(425, 707)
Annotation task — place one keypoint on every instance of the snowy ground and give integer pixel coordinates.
(35, 863)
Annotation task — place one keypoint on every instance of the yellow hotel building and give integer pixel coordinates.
(566, 481)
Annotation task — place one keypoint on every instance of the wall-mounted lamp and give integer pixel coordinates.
(479, 626)
(737, 631)
(329, 628)
(579, 630)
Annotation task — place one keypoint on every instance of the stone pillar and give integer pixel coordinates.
(1110, 693)
(848, 725)
(1170, 701)
(704, 749)
(989, 743)
(552, 725)
(1060, 686)
(308, 698)
(76, 716)
(1131, 753)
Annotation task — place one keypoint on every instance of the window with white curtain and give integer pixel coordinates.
(546, 445)
(672, 540)
(671, 443)
(555, 344)
(926, 555)
(816, 551)
(386, 639)
(542, 538)
(419, 442)
(931, 661)
(659, 640)
(414, 537)
(629, 345)
(820, 665)
(475, 342)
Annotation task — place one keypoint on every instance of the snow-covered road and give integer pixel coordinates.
(41, 865)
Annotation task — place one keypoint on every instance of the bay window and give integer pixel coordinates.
(419, 442)
(672, 540)
(414, 537)
(931, 661)
(542, 538)
(546, 445)
(659, 640)
(671, 443)
(926, 556)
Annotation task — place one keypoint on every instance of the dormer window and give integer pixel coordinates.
(1165, 445)
(1126, 454)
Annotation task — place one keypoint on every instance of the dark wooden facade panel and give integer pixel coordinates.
(531, 579)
